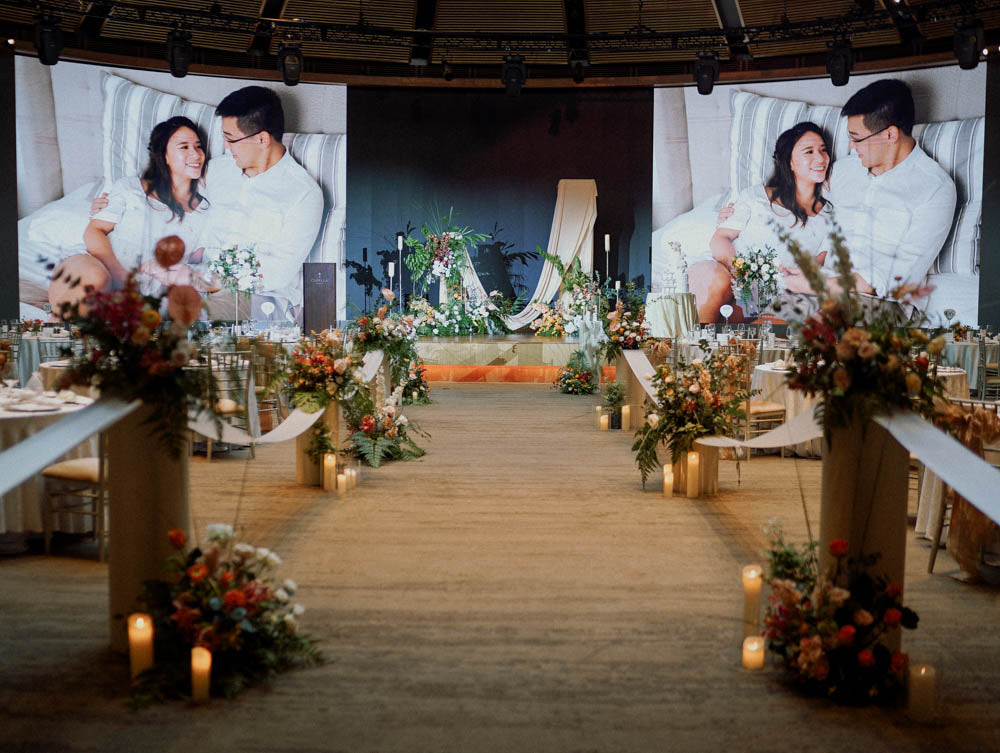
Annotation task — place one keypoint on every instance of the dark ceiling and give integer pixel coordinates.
(615, 42)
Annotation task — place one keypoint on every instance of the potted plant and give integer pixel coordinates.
(614, 399)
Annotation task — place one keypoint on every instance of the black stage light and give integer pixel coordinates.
(48, 39)
(838, 61)
(579, 61)
(514, 74)
(179, 52)
(968, 44)
(706, 71)
(290, 63)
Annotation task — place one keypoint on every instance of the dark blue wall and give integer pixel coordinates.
(497, 160)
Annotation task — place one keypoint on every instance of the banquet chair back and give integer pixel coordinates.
(78, 487)
(988, 376)
(53, 350)
(231, 371)
(761, 416)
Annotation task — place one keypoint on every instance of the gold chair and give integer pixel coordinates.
(78, 487)
(988, 376)
(761, 415)
(229, 370)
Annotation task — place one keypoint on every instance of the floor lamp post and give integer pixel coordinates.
(607, 256)
(399, 253)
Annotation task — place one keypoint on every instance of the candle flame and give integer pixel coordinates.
(139, 622)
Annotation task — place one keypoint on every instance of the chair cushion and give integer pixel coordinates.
(227, 405)
(78, 469)
(763, 406)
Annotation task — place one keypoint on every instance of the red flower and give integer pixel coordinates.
(892, 617)
(226, 578)
(899, 663)
(866, 658)
(234, 599)
(177, 538)
(846, 635)
(185, 617)
(197, 572)
(921, 363)
(838, 547)
(367, 424)
(894, 591)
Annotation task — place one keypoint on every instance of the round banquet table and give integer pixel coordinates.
(29, 357)
(671, 314)
(965, 354)
(688, 351)
(21, 509)
(772, 385)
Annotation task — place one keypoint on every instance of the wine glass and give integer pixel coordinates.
(9, 372)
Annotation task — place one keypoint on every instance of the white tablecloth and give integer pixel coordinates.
(688, 351)
(21, 509)
(30, 355)
(773, 387)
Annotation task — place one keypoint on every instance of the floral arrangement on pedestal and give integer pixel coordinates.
(319, 372)
(626, 330)
(238, 270)
(756, 278)
(703, 398)
(443, 252)
(221, 596)
(960, 331)
(580, 294)
(830, 629)
(135, 353)
(380, 432)
(552, 320)
(859, 354)
(383, 330)
(416, 389)
(576, 378)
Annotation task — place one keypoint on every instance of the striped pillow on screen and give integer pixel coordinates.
(957, 145)
(757, 122)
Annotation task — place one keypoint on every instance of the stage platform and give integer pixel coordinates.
(518, 357)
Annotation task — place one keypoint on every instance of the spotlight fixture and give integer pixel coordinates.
(968, 44)
(48, 39)
(579, 61)
(179, 52)
(838, 61)
(514, 74)
(447, 72)
(290, 63)
(706, 71)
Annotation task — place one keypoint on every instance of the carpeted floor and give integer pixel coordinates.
(515, 590)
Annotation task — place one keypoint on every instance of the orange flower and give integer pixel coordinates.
(234, 599)
(838, 547)
(892, 617)
(177, 538)
(894, 591)
(866, 658)
(899, 663)
(197, 572)
(846, 635)
(169, 251)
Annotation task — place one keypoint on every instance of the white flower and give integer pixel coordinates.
(298, 610)
(267, 557)
(281, 594)
(290, 623)
(290, 585)
(652, 419)
(402, 420)
(244, 551)
(753, 266)
(435, 330)
(221, 532)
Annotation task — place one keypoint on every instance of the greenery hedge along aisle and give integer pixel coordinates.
(221, 596)
(703, 398)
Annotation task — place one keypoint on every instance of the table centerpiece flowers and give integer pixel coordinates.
(34, 326)
(756, 278)
(140, 347)
(960, 331)
(237, 270)
(829, 628)
(223, 596)
(703, 398)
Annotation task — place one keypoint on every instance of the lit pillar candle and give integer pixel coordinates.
(140, 643)
(920, 689)
(618, 285)
(598, 412)
(626, 416)
(753, 652)
(352, 478)
(341, 485)
(693, 465)
(607, 242)
(392, 269)
(399, 243)
(604, 421)
(414, 395)
(752, 581)
(201, 674)
(329, 472)
(668, 480)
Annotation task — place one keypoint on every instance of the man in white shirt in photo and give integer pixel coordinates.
(258, 195)
(894, 203)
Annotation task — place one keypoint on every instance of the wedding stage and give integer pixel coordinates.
(517, 357)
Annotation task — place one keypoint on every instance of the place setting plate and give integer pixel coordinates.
(32, 408)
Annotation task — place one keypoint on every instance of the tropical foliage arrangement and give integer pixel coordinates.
(576, 378)
(222, 596)
(859, 354)
(136, 353)
(693, 400)
(443, 253)
(379, 432)
(830, 629)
